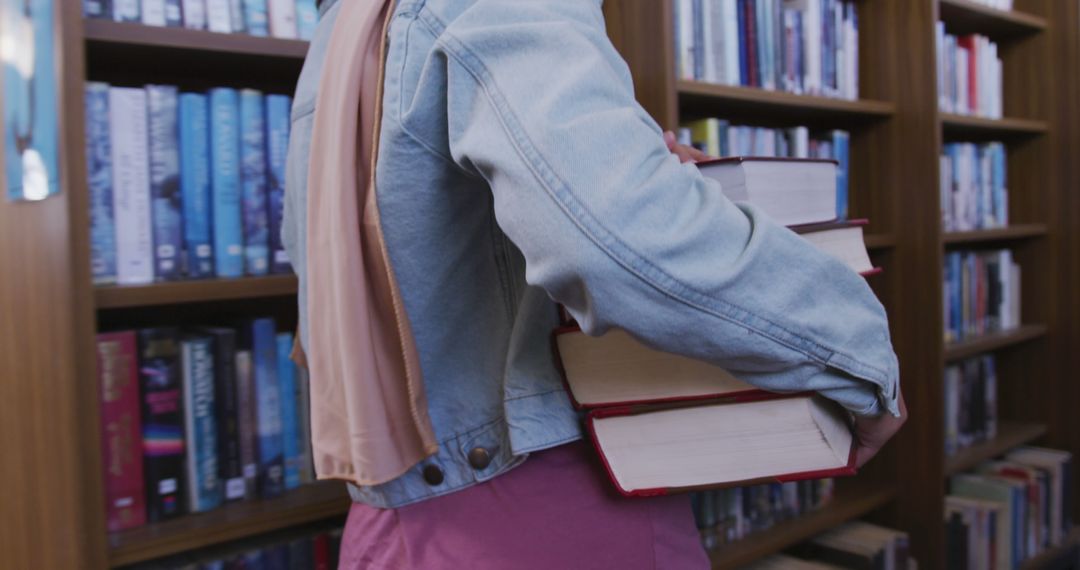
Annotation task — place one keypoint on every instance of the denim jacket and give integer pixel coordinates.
(516, 170)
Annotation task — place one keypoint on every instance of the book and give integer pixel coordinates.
(663, 422)
(195, 185)
(200, 423)
(290, 429)
(256, 19)
(225, 182)
(842, 240)
(259, 337)
(970, 402)
(121, 431)
(277, 147)
(1008, 494)
(978, 541)
(153, 12)
(981, 293)
(126, 10)
(162, 423)
(858, 544)
(227, 413)
(174, 17)
(194, 14)
(283, 18)
(727, 515)
(162, 114)
(1058, 465)
(237, 16)
(307, 17)
(790, 191)
(974, 191)
(99, 185)
(841, 151)
(131, 186)
(253, 180)
(247, 424)
(303, 399)
(97, 9)
(219, 16)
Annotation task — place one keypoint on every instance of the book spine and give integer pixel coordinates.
(165, 180)
(752, 54)
(247, 428)
(730, 23)
(195, 185)
(126, 11)
(290, 431)
(153, 13)
(698, 19)
(268, 408)
(173, 14)
(97, 9)
(163, 423)
(219, 16)
(225, 183)
(283, 18)
(204, 486)
(99, 185)
(253, 179)
(307, 17)
(740, 15)
(307, 467)
(277, 148)
(131, 186)
(237, 17)
(226, 415)
(255, 17)
(194, 14)
(841, 151)
(125, 496)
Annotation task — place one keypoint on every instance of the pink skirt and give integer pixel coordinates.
(558, 510)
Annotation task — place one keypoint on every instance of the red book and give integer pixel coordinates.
(664, 423)
(121, 431)
(970, 43)
(321, 552)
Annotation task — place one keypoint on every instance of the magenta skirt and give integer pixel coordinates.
(556, 511)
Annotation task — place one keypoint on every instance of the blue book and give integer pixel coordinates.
(761, 29)
(841, 143)
(195, 185)
(277, 147)
(698, 18)
(259, 337)
(256, 18)
(174, 17)
(225, 182)
(1001, 192)
(744, 68)
(253, 179)
(200, 426)
(99, 183)
(127, 11)
(97, 9)
(290, 428)
(164, 180)
(307, 16)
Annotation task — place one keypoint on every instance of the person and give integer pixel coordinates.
(515, 170)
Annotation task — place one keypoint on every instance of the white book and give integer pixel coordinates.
(194, 14)
(218, 16)
(282, 18)
(731, 42)
(844, 242)
(812, 19)
(153, 12)
(963, 102)
(945, 186)
(686, 39)
(851, 48)
(236, 16)
(131, 186)
(709, 52)
(790, 191)
(126, 10)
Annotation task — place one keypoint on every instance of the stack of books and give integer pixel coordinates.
(185, 185)
(1009, 510)
(319, 550)
(195, 418)
(970, 75)
(982, 293)
(858, 544)
(974, 189)
(970, 402)
(808, 47)
(286, 19)
(724, 516)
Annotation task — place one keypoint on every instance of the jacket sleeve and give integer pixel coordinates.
(612, 225)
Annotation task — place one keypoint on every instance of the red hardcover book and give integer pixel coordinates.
(970, 42)
(665, 423)
(843, 240)
(121, 431)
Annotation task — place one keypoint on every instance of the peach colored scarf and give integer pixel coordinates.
(369, 414)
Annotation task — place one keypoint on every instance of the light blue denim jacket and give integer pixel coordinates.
(516, 170)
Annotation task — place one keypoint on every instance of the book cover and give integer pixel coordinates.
(194, 14)
(219, 16)
(200, 425)
(225, 182)
(162, 117)
(283, 18)
(97, 9)
(121, 430)
(258, 336)
(126, 11)
(195, 185)
(277, 149)
(237, 17)
(253, 180)
(255, 17)
(227, 413)
(153, 13)
(99, 185)
(307, 17)
(131, 186)
(173, 14)
(247, 426)
(290, 429)
(163, 423)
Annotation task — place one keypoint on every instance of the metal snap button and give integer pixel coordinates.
(433, 475)
(479, 458)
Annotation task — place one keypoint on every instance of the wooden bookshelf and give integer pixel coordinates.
(847, 505)
(1013, 232)
(182, 292)
(193, 43)
(967, 127)
(966, 17)
(233, 521)
(879, 241)
(710, 99)
(1009, 435)
(993, 341)
(1065, 556)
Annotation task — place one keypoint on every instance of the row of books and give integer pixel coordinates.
(970, 402)
(981, 293)
(185, 185)
(1009, 510)
(999, 4)
(855, 544)
(195, 418)
(718, 137)
(727, 515)
(313, 551)
(808, 47)
(970, 75)
(974, 187)
(287, 19)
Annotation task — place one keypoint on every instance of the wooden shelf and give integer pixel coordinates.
(967, 17)
(709, 99)
(979, 128)
(307, 504)
(1064, 555)
(180, 292)
(880, 241)
(848, 504)
(192, 41)
(993, 341)
(1013, 232)
(1009, 435)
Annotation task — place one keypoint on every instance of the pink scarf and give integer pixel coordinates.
(369, 414)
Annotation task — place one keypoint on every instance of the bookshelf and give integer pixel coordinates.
(200, 291)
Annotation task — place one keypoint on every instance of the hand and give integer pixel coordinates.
(871, 433)
(685, 153)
